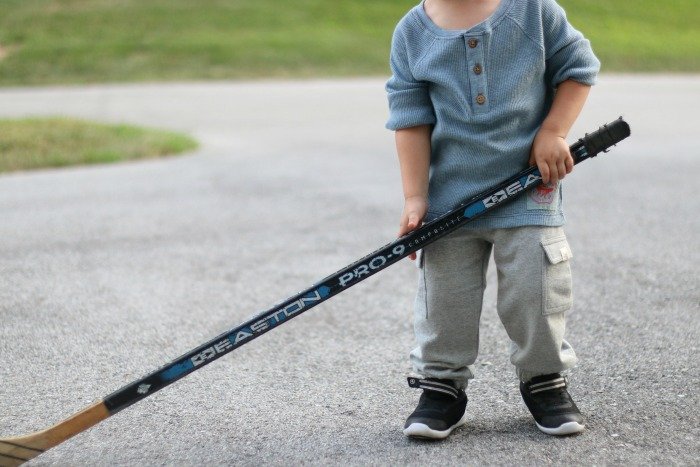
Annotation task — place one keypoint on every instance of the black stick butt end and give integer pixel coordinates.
(606, 136)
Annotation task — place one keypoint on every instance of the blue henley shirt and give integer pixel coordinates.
(486, 91)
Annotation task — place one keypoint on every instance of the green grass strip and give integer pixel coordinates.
(640, 35)
(35, 143)
(88, 41)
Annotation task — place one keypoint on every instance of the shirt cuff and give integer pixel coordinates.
(409, 108)
(576, 62)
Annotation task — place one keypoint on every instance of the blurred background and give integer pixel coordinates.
(91, 41)
(83, 42)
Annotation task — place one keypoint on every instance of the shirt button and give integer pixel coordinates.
(481, 99)
(478, 69)
(473, 43)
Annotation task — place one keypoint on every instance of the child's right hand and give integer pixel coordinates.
(414, 210)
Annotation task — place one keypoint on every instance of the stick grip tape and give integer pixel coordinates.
(605, 137)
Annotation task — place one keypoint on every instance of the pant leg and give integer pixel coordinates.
(534, 292)
(448, 306)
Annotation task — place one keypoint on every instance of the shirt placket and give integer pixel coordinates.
(479, 98)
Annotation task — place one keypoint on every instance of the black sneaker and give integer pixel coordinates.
(551, 405)
(441, 409)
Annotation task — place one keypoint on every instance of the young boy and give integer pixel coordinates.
(481, 88)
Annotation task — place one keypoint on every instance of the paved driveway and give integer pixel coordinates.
(108, 272)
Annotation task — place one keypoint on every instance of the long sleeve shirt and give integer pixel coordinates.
(486, 91)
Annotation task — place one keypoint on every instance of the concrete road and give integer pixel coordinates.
(108, 272)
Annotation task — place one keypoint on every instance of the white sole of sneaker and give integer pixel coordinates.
(421, 430)
(566, 429)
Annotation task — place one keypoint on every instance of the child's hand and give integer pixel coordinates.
(414, 210)
(551, 155)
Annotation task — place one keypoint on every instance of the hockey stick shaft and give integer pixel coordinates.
(478, 205)
(23, 448)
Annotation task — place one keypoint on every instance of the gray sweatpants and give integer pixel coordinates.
(534, 291)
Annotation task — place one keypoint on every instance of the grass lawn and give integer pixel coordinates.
(640, 35)
(88, 41)
(56, 142)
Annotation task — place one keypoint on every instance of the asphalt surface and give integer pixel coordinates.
(108, 272)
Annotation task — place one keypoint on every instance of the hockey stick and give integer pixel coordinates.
(14, 451)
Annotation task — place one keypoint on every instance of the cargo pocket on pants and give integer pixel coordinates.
(556, 280)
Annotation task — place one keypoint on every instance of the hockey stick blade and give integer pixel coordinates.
(14, 451)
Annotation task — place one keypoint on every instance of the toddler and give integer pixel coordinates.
(479, 90)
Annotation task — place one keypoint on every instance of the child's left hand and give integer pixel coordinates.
(551, 155)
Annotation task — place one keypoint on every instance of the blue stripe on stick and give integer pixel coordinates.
(175, 371)
(474, 209)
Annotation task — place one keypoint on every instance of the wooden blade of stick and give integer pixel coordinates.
(15, 451)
